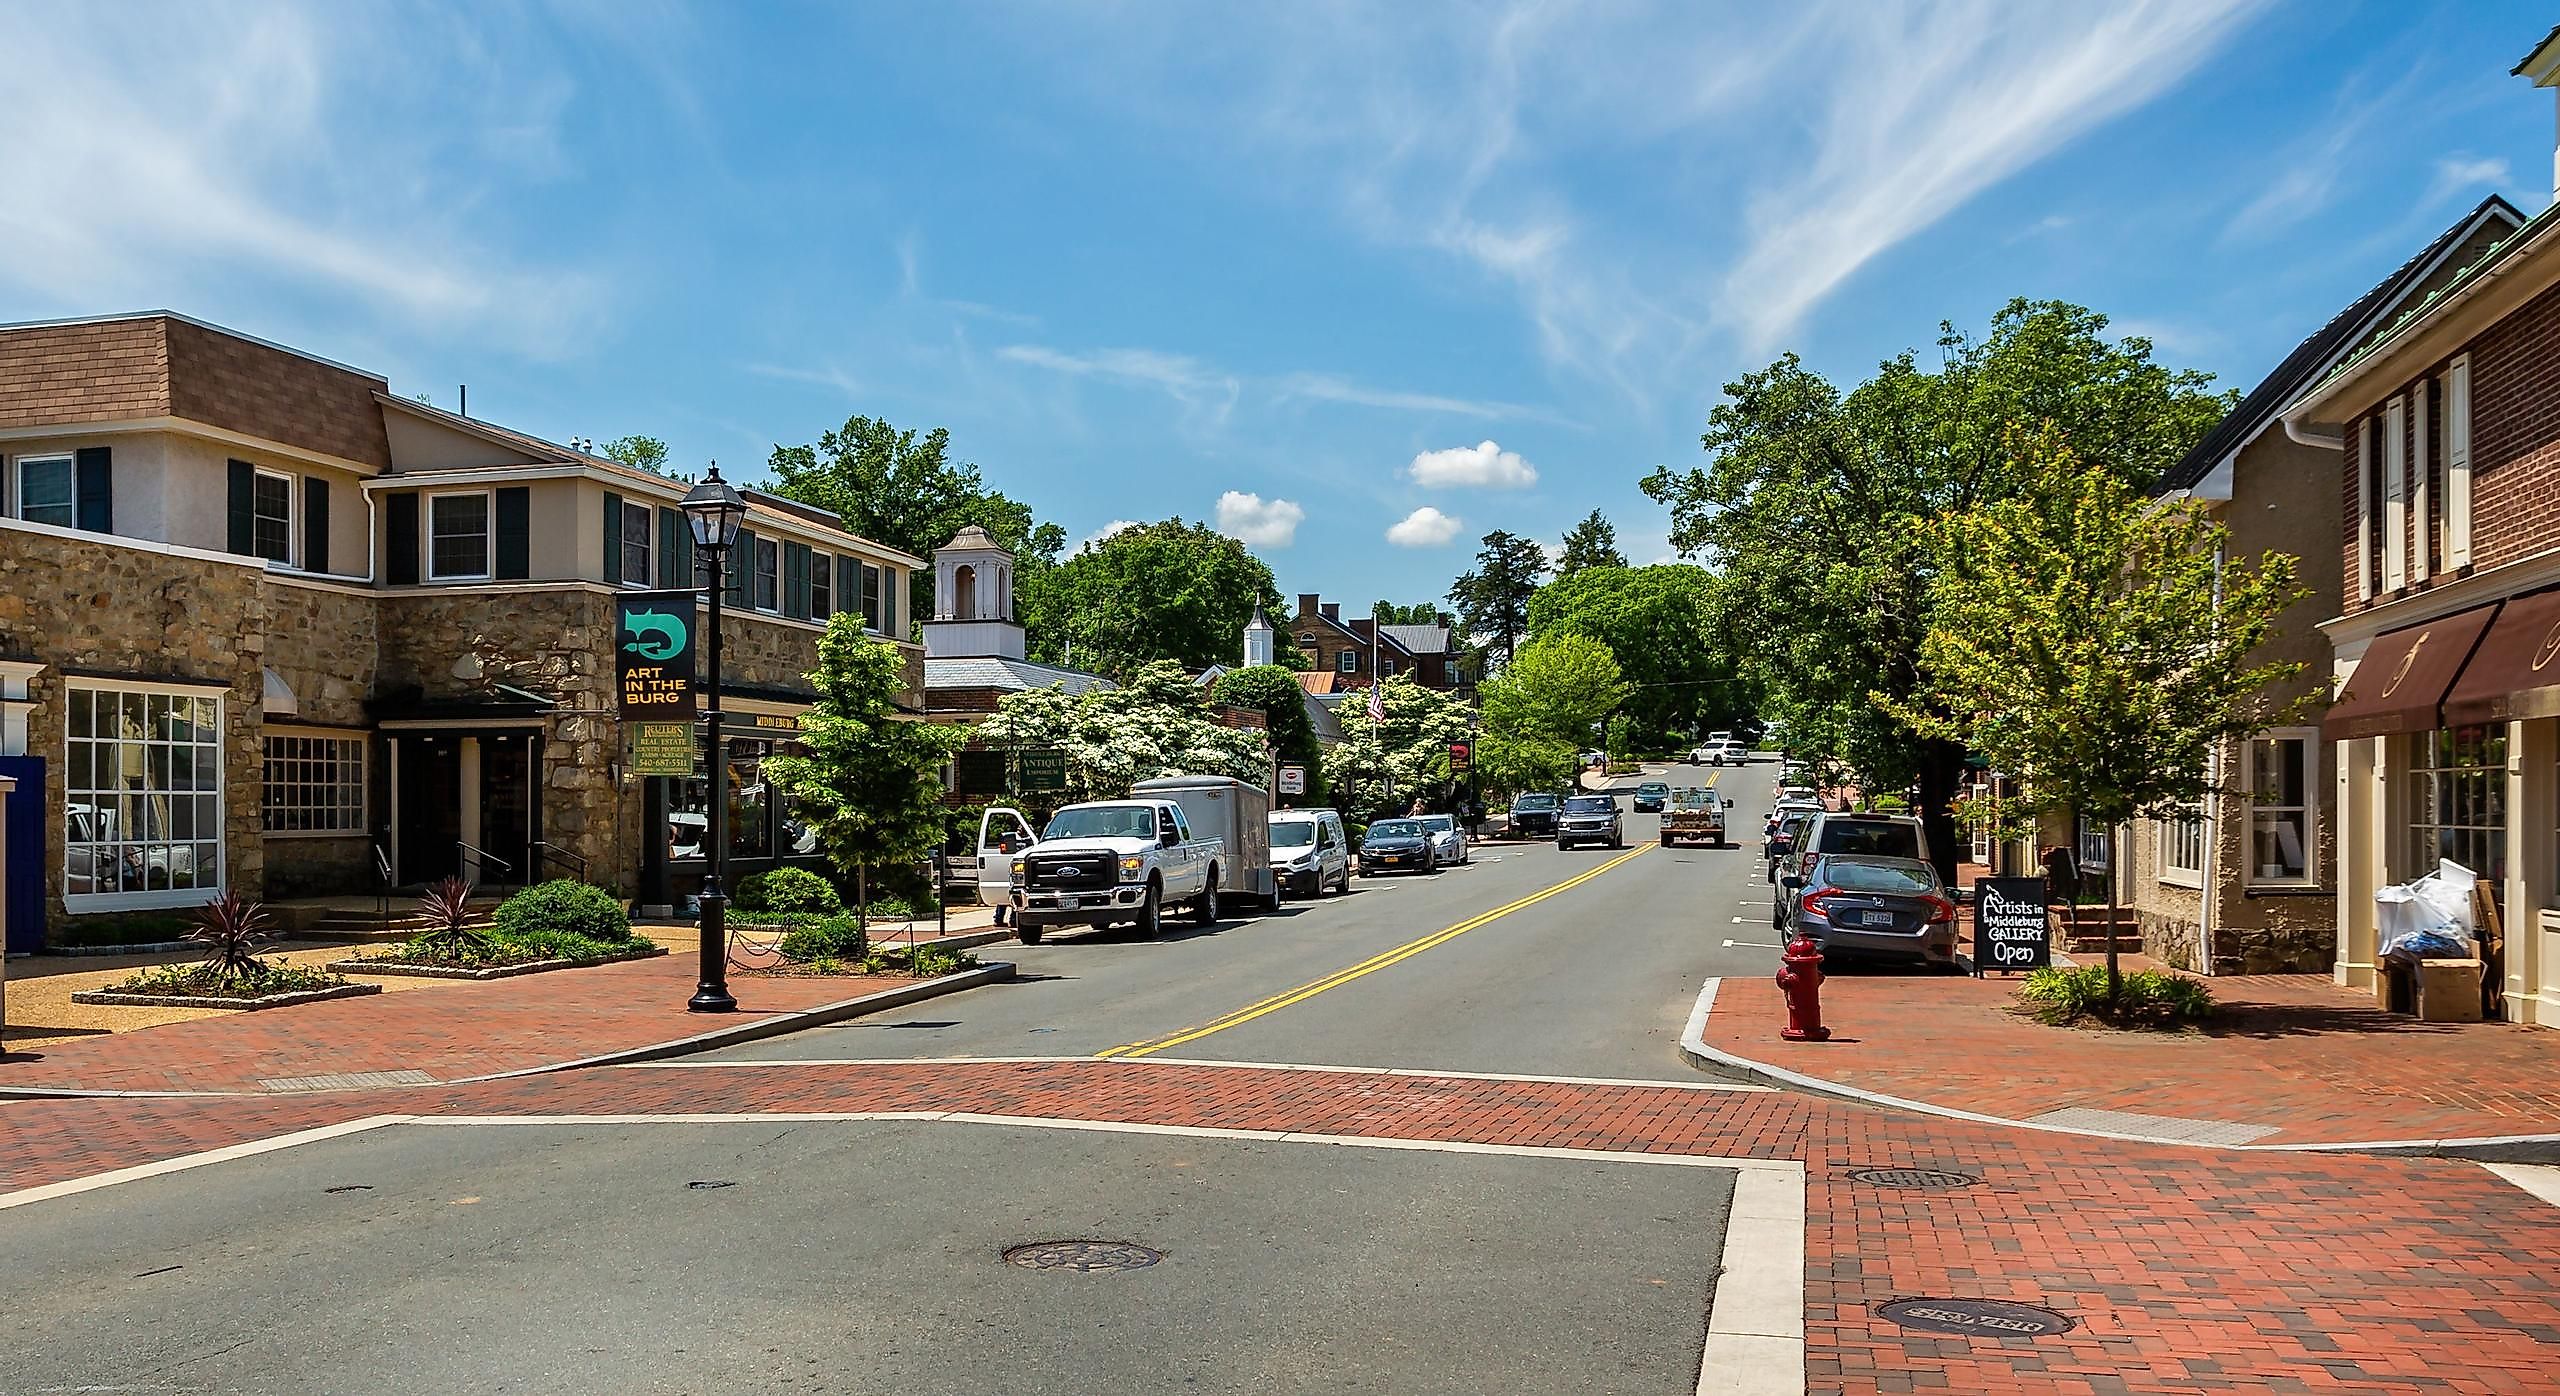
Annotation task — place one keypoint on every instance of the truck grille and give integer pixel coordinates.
(1069, 872)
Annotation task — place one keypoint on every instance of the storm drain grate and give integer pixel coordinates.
(707, 1184)
(1975, 1318)
(1083, 1257)
(1914, 1178)
(350, 1187)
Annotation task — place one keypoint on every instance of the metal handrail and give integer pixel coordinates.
(566, 858)
(479, 860)
(382, 869)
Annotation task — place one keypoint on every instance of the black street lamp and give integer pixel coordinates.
(715, 511)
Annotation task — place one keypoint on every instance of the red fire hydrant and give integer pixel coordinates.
(1800, 979)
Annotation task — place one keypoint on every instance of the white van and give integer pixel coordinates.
(1310, 852)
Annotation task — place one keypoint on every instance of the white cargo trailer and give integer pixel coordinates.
(1234, 812)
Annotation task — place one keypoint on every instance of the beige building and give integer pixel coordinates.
(2246, 883)
(266, 625)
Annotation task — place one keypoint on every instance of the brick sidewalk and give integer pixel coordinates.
(451, 1031)
(2181, 1269)
(2290, 1054)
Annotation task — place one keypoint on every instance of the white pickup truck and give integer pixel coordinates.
(1114, 862)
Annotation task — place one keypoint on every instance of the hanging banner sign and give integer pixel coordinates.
(2012, 929)
(663, 748)
(653, 649)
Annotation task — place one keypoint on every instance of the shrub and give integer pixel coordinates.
(555, 944)
(934, 961)
(265, 977)
(837, 937)
(798, 891)
(2145, 998)
(231, 930)
(448, 934)
(564, 906)
(748, 894)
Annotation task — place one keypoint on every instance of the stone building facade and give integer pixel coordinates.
(266, 626)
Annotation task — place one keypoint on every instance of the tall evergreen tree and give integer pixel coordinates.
(1590, 543)
(1492, 600)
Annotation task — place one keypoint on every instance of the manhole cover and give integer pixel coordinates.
(1979, 1318)
(1914, 1178)
(1084, 1257)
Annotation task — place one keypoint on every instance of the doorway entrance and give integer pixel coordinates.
(465, 804)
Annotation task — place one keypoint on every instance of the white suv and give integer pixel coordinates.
(1309, 851)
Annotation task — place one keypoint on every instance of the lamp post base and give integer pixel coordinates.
(711, 988)
(710, 998)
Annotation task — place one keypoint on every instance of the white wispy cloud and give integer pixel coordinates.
(1929, 106)
(2461, 172)
(1185, 379)
(1425, 527)
(1263, 523)
(1329, 387)
(1484, 465)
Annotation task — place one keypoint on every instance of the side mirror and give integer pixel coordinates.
(1792, 883)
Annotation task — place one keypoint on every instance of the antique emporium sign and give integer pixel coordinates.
(662, 748)
(653, 649)
(2011, 928)
(1044, 769)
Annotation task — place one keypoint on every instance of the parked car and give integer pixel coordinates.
(1854, 904)
(1651, 796)
(1533, 816)
(1448, 841)
(1310, 852)
(1114, 861)
(1595, 758)
(1398, 845)
(1590, 819)
(988, 875)
(1786, 826)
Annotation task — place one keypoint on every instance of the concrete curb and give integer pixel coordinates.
(2510, 1148)
(756, 1030)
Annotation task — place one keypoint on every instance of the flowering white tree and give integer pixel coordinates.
(1156, 725)
(1383, 767)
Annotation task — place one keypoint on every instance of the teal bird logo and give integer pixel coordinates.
(655, 634)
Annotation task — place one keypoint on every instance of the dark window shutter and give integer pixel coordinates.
(742, 567)
(675, 550)
(795, 580)
(513, 525)
(848, 585)
(613, 537)
(400, 550)
(315, 524)
(244, 508)
(892, 624)
(93, 489)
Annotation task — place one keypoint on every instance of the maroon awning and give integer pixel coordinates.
(2403, 677)
(2515, 673)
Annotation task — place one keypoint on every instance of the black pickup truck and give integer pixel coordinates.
(1533, 816)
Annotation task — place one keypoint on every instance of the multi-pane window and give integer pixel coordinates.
(2458, 800)
(458, 536)
(44, 490)
(2092, 845)
(271, 514)
(2283, 813)
(142, 794)
(638, 526)
(768, 575)
(822, 589)
(1347, 662)
(871, 617)
(314, 785)
(2182, 846)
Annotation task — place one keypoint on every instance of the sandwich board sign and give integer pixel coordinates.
(2012, 925)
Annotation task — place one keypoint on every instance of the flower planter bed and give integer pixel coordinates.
(284, 1000)
(389, 965)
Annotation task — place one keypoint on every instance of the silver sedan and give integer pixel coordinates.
(1448, 841)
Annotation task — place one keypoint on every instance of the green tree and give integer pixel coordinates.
(902, 489)
(642, 453)
(1273, 690)
(1590, 543)
(1492, 599)
(1561, 687)
(1158, 724)
(868, 779)
(1814, 506)
(1418, 613)
(2094, 639)
(1170, 590)
(1381, 768)
(1665, 628)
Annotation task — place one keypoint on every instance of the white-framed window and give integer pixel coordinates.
(822, 586)
(2457, 463)
(2091, 845)
(2181, 843)
(639, 528)
(44, 490)
(314, 784)
(142, 795)
(2458, 800)
(458, 536)
(2395, 495)
(1347, 662)
(271, 516)
(2284, 807)
(768, 575)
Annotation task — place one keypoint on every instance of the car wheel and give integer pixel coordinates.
(1028, 932)
(1204, 910)
(1666, 840)
(1151, 914)
(1345, 888)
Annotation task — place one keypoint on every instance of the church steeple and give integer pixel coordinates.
(973, 600)
(1260, 639)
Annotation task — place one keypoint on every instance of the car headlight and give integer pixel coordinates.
(1018, 869)
(1133, 868)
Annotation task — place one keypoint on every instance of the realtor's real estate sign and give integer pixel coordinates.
(653, 649)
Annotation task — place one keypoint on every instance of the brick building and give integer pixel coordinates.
(1358, 652)
(266, 625)
(2447, 732)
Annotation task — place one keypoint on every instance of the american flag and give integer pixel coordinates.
(1377, 705)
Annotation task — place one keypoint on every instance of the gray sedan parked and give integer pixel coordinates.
(1890, 908)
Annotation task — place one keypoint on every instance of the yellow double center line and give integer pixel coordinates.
(1371, 965)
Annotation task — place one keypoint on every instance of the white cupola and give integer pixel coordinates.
(972, 600)
(1260, 640)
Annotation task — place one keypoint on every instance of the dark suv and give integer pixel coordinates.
(1589, 819)
(1534, 816)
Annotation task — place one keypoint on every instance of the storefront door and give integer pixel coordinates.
(506, 807)
(467, 804)
(427, 816)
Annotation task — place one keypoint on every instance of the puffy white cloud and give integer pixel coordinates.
(1484, 465)
(1116, 526)
(1249, 518)
(1425, 527)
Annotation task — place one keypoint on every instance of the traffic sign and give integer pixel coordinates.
(1293, 780)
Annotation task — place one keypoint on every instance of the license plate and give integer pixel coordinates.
(1389, 858)
(1875, 918)
(1069, 903)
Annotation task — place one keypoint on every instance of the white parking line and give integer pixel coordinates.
(1754, 944)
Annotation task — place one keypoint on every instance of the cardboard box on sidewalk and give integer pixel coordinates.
(2448, 991)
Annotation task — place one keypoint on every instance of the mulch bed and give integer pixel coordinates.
(420, 970)
(111, 997)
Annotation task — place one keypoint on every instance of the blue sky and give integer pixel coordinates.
(1291, 268)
